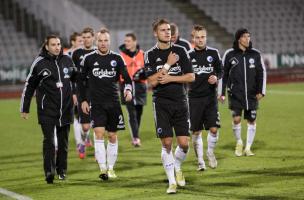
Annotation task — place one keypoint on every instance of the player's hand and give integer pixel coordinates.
(172, 58)
(164, 78)
(75, 101)
(259, 96)
(221, 99)
(25, 115)
(85, 107)
(128, 95)
(212, 79)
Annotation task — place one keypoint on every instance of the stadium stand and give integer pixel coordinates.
(138, 15)
(277, 25)
(16, 49)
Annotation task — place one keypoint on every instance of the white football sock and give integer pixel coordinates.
(112, 151)
(77, 131)
(198, 145)
(100, 154)
(237, 128)
(180, 157)
(251, 129)
(212, 140)
(168, 163)
(55, 139)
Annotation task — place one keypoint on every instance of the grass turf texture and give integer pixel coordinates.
(275, 172)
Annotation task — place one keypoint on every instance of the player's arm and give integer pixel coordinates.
(82, 85)
(261, 78)
(127, 80)
(188, 75)
(30, 86)
(223, 81)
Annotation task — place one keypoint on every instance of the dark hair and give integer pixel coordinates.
(131, 35)
(104, 30)
(74, 36)
(88, 30)
(159, 22)
(174, 28)
(198, 27)
(48, 38)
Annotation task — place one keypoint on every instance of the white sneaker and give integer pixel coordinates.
(180, 179)
(111, 173)
(238, 149)
(212, 160)
(201, 166)
(172, 189)
(248, 152)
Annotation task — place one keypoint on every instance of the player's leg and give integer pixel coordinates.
(62, 154)
(250, 115)
(139, 111)
(48, 152)
(237, 128)
(165, 133)
(133, 123)
(181, 127)
(196, 121)
(99, 119)
(212, 139)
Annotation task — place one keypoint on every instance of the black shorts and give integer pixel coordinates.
(250, 115)
(171, 116)
(203, 113)
(82, 117)
(107, 115)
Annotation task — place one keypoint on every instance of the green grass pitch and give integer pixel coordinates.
(276, 172)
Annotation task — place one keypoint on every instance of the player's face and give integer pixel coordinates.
(244, 40)
(130, 43)
(78, 42)
(54, 46)
(103, 42)
(88, 40)
(163, 33)
(200, 39)
(174, 37)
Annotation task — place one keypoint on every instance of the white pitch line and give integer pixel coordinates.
(284, 92)
(13, 194)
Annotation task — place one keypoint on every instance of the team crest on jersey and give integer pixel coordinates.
(66, 72)
(81, 57)
(159, 130)
(113, 63)
(209, 59)
(251, 61)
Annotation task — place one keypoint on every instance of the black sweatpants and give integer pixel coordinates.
(134, 114)
(49, 156)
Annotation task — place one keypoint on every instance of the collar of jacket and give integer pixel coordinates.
(236, 45)
(123, 49)
(44, 53)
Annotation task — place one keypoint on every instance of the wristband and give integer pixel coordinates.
(166, 66)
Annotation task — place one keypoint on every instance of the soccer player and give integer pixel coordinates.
(76, 41)
(134, 58)
(100, 74)
(202, 95)
(245, 79)
(168, 67)
(50, 76)
(82, 134)
(176, 39)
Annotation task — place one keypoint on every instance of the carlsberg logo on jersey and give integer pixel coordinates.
(101, 73)
(175, 70)
(202, 69)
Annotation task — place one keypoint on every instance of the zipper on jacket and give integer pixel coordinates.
(60, 88)
(245, 79)
(42, 102)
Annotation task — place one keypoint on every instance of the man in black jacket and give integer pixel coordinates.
(202, 94)
(100, 74)
(245, 79)
(50, 76)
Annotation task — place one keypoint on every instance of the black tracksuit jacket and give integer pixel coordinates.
(50, 76)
